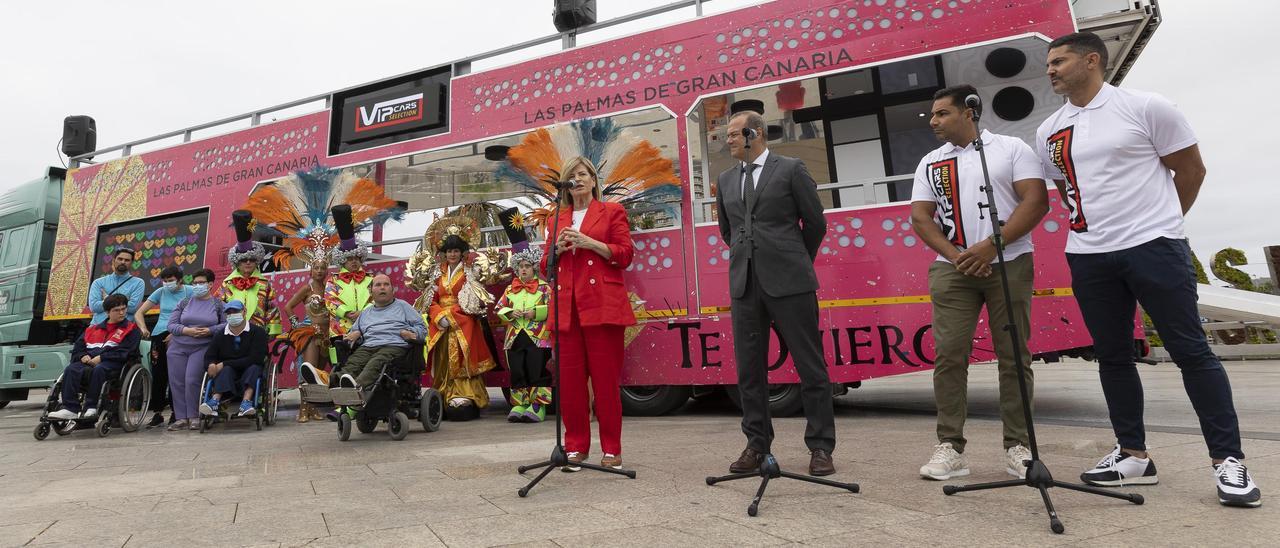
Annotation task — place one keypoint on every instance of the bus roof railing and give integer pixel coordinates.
(460, 67)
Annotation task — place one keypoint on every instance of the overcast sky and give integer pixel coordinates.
(142, 68)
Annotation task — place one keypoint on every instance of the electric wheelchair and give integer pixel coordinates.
(396, 398)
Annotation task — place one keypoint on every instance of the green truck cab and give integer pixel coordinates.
(33, 352)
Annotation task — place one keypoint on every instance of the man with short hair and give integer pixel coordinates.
(103, 349)
(946, 215)
(121, 281)
(1128, 167)
(772, 221)
(384, 330)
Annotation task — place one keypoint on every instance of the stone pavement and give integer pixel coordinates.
(293, 485)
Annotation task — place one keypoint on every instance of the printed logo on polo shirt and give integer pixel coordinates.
(1060, 153)
(946, 190)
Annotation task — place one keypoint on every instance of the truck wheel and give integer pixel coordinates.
(652, 401)
(784, 399)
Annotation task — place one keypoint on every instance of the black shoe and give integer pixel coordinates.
(156, 420)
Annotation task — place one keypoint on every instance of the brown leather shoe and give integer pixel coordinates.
(820, 463)
(749, 461)
(611, 461)
(575, 458)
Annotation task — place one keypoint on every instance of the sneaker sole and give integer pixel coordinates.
(1240, 503)
(955, 474)
(1144, 480)
(1015, 473)
(570, 468)
(206, 410)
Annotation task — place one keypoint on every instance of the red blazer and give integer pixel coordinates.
(588, 281)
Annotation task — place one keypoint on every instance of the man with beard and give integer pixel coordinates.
(121, 281)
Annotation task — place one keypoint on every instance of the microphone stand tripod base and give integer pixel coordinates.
(560, 459)
(770, 470)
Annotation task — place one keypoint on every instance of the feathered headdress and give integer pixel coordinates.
(632, 170)
(298, 208)
(245, 247)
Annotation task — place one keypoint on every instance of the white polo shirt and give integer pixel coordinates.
(1119, 195)
(951, 178)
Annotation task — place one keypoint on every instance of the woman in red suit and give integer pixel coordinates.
(593, 247)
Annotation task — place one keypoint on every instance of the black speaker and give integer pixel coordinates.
(79, 135)
(1013, 103)
(571, 14)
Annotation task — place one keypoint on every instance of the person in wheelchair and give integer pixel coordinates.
(235, 359)
(102, 351)
(384, 331)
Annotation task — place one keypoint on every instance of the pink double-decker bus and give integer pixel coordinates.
(846, 86)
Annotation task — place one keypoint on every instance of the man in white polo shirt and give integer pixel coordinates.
(945, 214)
(1128, 167)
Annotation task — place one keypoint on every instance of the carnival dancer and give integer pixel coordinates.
(455, 303)
(246, 283)
(523, 307)
(310, 337)
(347, 294)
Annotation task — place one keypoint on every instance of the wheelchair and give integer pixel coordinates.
(266, 396)
(123, 403)
(396, 398)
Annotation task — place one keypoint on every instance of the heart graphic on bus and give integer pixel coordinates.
(147, 244)
(155, 273)
(171, 231)
(193, 228)
(181, 259)
(170, 240)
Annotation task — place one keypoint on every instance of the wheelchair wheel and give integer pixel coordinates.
(432, 410)
(104, 427)
(398, 425)
(257, 421)
(366, 424)
(135, 396)
(344, 427)
(270, 398)
(42, 431)
(206, 422)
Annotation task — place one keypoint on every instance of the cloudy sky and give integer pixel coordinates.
(147, 67)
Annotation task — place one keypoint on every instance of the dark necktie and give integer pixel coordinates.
(749, 186)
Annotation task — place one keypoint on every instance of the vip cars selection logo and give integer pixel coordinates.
(390, 112)
(946, 187)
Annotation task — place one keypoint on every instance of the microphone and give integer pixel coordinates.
(974, 102)
(747, 135)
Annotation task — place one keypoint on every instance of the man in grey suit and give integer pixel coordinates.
(771, 218)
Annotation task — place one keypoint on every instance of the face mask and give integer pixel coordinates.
(235, 319)
(199, 290)
(171, 286)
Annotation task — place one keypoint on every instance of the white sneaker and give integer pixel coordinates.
(1016, 464)
(1120, 468)
(347, 381)
(945, 463)
(64, 415)
(1235, 485)
(91, 413)
(308, 373)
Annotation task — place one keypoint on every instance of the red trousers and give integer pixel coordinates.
(593, 352)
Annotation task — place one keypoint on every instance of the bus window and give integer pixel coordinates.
(440, 180)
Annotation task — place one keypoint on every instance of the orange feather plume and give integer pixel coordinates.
(538, 156)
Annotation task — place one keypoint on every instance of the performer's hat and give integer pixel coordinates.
(348, 245)
(245, 247)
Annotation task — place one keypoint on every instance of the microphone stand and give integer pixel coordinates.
(769, 468)
(1038, 476)
(558, 457)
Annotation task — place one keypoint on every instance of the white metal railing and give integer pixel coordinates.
(460, 67)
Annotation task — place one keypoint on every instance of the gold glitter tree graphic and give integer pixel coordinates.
(116, 192)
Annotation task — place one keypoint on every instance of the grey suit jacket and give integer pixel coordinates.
(781, 234)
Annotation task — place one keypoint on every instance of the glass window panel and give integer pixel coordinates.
(908, 75)
(858, 128)
(853, 83)
(910, 137)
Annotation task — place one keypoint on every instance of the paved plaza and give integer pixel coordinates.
(296, 484)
